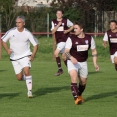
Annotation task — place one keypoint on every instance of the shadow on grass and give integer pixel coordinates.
(9, 95)
(2, 70)
(94, 72)
(45, 91)
(101, 95)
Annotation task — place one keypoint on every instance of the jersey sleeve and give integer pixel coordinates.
(32, 39)
(52, 25)
(105, 37)
(69, 23)
(6, 37)
(93, 46)
(68, 44)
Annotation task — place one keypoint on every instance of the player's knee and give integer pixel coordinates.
(63, 57)
(19, 78)
(55, 54)
(115, 60)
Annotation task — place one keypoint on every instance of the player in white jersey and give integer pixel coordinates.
(19, 51)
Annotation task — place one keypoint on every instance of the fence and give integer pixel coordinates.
(45, 33)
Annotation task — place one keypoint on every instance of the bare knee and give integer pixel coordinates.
(115, 60)
(19, 77)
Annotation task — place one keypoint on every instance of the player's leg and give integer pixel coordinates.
(58, 61)
(26, 64)
(18, 70)
(64, 59)
(72, 70)
(83, 73)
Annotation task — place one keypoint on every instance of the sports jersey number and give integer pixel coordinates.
(82, 47)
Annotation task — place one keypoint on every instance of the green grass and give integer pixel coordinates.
(52, 95)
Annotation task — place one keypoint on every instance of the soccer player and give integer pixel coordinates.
(76, 53)
(111, 37)
(61, 27)
(19, 51)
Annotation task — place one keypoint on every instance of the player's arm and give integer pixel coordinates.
(69, 30)
(105, 40)
(5, 38)
(34, 42)
(7, 49)
(34, 52)
(54, 28)
(94, 54)
(67, 51)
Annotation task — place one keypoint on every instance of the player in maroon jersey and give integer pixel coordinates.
(111, 37)
(61, 27)
(76, 52)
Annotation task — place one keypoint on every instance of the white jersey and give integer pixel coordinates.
(69, 24)
(19, 42)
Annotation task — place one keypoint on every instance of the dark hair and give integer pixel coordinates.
(113, 21)
(79, 23)
(60, 10)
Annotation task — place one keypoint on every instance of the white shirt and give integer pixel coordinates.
(69, 24)
(19, 42)
(105, 37)
(69, 43)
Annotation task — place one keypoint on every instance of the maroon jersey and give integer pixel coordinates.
(112, 39)
(59, 34)
(80, 47)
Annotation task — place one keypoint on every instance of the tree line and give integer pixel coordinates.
(36, 18)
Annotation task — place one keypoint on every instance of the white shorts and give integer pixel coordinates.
(61, 47)
(81, 68)
(18, 65)
(112, 57)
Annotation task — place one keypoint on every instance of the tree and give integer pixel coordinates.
(9, 12)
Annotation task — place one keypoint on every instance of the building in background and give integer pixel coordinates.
(34, 3)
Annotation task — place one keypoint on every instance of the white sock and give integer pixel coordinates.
(23, 77)
(29, 82)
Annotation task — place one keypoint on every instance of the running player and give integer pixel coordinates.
(19, 51)
(76, 51)
(61, 27)
(111, 37)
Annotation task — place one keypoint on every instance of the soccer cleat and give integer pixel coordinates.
(59, 72)
(30, 94)
(80, 97)
(78, 101)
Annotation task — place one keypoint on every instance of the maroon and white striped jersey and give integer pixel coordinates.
(59, 34)
(111, 37)
(79, 46)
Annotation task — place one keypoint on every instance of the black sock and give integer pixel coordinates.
(81, 89)
(65, 62)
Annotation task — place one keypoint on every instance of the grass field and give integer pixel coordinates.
(52, 95)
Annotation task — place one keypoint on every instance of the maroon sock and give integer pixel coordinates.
(58, 60)
(65, 62)
(74, 90)
(81, 89)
